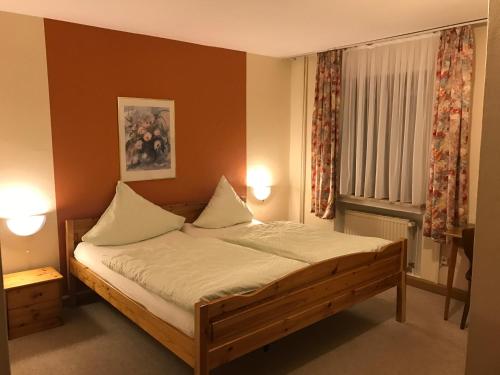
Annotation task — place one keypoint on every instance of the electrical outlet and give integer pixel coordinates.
(444, 261)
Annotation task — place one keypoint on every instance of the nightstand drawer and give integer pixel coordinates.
(24, 316)
(30, 295)
(34, 327)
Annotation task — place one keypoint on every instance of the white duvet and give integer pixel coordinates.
(190, 269)
(293, 240)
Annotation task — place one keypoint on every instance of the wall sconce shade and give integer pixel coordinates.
(259, 179)
(26, 225)
(261, 192)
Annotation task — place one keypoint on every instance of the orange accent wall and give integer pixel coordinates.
(89, 68)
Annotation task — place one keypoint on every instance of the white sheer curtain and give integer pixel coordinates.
(387, 97)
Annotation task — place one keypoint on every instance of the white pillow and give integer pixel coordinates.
(224, 209)
(131, 218)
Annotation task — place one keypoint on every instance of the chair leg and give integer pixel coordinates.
(463, 323)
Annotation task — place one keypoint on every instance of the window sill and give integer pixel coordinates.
(381, 204)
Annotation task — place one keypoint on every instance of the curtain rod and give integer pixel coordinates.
(404, 35)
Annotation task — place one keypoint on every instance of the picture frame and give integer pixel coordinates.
(146, 129)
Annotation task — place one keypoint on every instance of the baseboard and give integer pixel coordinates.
(430, 286)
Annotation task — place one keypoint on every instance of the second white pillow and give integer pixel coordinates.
(224, 209)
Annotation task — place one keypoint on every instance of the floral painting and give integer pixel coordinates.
(147, 142)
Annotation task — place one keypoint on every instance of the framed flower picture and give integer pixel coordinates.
(147, 138)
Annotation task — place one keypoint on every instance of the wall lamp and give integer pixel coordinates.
(26, 225)
(261, 193)
(23, 207)
(259, 179)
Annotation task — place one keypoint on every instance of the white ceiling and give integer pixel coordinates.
(267, 27)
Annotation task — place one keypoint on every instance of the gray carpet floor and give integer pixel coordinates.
(96, 339)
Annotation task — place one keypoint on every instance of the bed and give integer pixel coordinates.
(229, 327)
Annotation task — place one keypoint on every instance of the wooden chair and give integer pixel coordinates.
(468, 246)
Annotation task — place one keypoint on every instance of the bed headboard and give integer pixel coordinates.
(76, 228)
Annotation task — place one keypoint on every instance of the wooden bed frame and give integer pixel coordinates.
(232, 326)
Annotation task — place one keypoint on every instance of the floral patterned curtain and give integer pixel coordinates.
(447, 197)
(325, 129)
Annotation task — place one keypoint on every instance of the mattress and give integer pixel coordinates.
(91, 256)
(292, 240)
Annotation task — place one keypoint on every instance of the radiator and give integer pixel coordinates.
(387, 227)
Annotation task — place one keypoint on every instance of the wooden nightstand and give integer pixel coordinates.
(33, 300)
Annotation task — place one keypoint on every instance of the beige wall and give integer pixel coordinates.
(477, 116)
(297, 128)
(268, 133)
(483, 345)
(430, 255)
(26, 143)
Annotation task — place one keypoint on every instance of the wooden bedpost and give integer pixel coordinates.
(401, 287)
(201, 336)
(70, 248)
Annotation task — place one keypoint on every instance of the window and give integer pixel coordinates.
(387, 97)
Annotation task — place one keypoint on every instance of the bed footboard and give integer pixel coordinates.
(233, 326)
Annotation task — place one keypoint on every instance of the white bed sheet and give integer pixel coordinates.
(91, 256)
